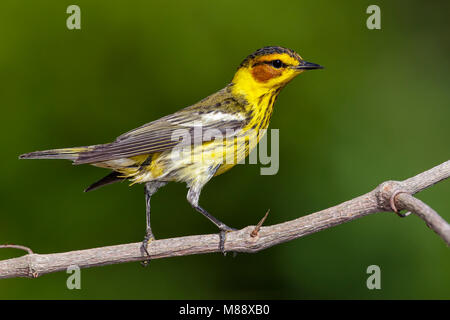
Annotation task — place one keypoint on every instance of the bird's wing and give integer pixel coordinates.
(166, 133)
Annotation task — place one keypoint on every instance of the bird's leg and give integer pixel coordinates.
(193, 196)
(222, 227)
(148, 231)
(150, 189)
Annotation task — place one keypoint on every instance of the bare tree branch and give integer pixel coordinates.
(388, 196)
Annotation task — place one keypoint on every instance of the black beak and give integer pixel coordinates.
(305, 65)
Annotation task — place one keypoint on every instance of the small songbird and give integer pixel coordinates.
(238, 113)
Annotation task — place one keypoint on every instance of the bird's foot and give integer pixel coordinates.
(222, 236)
(149, 237)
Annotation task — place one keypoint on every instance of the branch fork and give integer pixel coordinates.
(394, 207)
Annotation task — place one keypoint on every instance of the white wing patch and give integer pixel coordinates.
(221, 116)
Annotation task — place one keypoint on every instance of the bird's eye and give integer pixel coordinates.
(277, 64)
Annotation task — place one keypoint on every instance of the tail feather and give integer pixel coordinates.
(110, 178)
(66, 153)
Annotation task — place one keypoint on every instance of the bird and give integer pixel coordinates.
(196, 143)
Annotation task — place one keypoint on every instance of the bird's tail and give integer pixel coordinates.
(65, 153)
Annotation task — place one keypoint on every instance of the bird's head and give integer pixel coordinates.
(269, 68)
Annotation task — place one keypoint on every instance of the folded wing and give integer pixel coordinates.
(168, 132)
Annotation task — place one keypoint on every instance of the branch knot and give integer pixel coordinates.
(386, 191)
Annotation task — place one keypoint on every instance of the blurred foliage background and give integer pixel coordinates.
(379, 111)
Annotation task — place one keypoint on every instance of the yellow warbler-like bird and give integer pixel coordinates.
(232, 118)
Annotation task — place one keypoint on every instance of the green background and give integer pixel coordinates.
(379, 111)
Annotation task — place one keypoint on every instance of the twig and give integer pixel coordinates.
(16, 246)
(258, 226)
(378, 200)
(433, 220)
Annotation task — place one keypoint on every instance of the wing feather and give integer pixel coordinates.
(158, 136)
